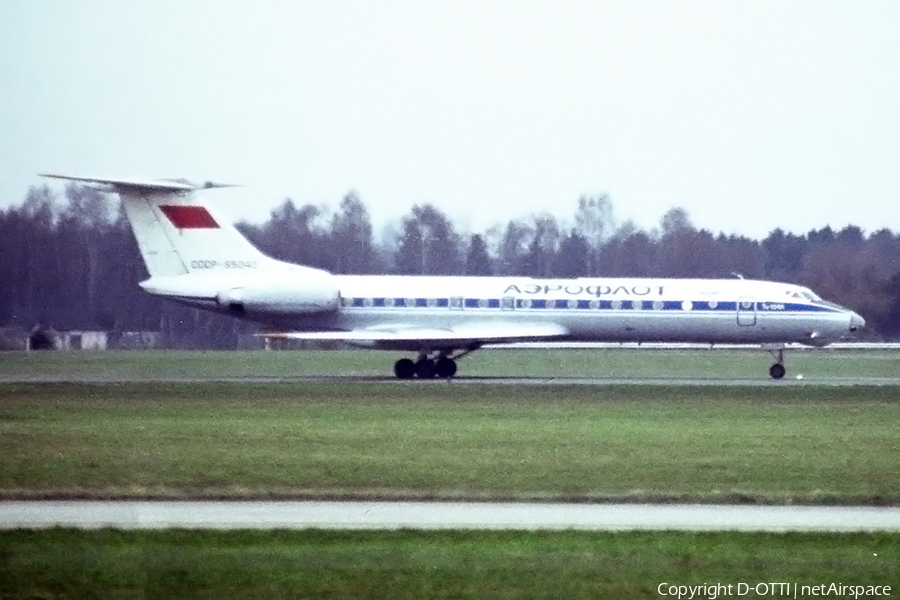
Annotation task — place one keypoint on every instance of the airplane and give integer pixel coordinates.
(196, 257)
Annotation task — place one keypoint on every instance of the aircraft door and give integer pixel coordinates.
(746, 311)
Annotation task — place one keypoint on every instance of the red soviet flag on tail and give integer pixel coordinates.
(189, 217)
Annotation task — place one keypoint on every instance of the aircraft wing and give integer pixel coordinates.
(407, 337)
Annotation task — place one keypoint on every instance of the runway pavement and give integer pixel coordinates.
(442, 515)
(464, 380)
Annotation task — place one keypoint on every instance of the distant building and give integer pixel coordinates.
(140, 340)
(13, 338)
(82, 340)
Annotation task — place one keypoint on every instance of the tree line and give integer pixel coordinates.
(71, 262)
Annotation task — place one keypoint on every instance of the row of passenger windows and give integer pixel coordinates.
(509, 303)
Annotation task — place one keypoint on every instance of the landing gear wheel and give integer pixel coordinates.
(425, 368)
(404, 368)
(777, 371)
(445, 367)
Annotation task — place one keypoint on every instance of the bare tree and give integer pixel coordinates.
(478, 261)
(541, 254)
(351, 237)
(428, 244)
(594, 222)
(512, 249)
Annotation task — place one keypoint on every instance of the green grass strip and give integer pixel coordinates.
(804, 444)
(404, 564)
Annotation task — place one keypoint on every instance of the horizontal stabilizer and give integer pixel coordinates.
(155, 185)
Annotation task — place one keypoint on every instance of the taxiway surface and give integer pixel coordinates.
(442, 515)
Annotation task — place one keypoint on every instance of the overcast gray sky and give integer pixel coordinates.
(751, 115)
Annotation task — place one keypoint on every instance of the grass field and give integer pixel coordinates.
(771, 443)
(618, 363)
(318, 564)
(808, 444)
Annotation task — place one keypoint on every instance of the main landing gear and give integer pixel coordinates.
(443, 365)
(425, 368)
(777, 370)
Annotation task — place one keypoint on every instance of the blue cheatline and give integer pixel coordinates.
(562, 304)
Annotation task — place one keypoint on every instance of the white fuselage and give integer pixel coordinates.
(597, 309)
(590, 309)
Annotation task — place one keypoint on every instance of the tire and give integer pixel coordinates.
(777, 371)
(425, 369)
(404, 368)
(445, 367)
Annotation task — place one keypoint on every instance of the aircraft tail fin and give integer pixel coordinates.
(177, 231)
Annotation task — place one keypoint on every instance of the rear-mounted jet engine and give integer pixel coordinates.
(282, 298)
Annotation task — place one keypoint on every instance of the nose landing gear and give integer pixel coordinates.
(777, 370)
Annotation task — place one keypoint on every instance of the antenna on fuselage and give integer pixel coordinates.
(736, 274)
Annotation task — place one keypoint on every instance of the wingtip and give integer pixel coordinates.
(209, 185)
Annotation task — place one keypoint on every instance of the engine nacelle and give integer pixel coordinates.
(283, 297)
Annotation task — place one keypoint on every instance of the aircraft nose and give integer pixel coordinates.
(856, 322)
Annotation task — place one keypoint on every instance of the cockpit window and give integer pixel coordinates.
(802, 293)
(809, 295)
